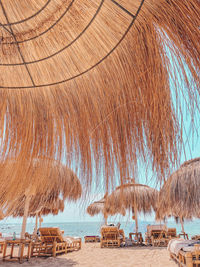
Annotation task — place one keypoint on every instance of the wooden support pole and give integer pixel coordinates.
(182, 225)
(134, 211)
(106, 218)
(26, 209)
(36, 224)
(40, 221)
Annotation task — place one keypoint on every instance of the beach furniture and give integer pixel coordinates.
(111, 237)
(196, 237)
(185, 252)
(183, 235)
(171, 233)
(156, 235)
(91, 238)
(17, 247)
(122, 235)
(2, 244)
(53, 243)
(136, 238)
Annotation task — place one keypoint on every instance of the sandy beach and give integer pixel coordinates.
(92, 255)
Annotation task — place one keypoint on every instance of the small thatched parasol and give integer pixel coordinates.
(180, 195)
(98, 207)
(131, 196)
(55, 180)
(94, 77)
(45, 178)
(48, 207)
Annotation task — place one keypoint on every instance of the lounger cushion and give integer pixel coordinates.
(175, 245)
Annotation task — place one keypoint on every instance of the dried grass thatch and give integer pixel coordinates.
(48, 207)
(90, 80)
(47, 180)
(180, 195)
(128, 196)
(54, 208)
(96, 207)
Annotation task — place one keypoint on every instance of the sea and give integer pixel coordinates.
(81, 229)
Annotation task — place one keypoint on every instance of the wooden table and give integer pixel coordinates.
(17, 246)
(137, 237)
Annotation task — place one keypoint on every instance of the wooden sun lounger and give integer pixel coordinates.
(188, 259)
(157, 236)
(171, 233)
(111, 237)
(136, 238)
(53, 243)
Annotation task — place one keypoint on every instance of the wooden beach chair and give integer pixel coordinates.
(110, 236)
(136, 238)
(187, 256)
(53, 243)
(171, 233)
(156, 235)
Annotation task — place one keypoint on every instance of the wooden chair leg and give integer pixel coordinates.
(4, 251)
(21, 253)
(54, 249)
(29, 251)
(188, 259)
(12, 249)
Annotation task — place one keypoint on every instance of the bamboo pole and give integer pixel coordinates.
(26, 209)
(106, 218)
(40, 221)
(134, 216)
(36, 224)
(182, 225)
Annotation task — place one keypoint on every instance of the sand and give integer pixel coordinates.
(91, 255)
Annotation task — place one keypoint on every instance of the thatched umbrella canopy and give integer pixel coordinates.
(47, 181)
(53, 208)
(92, 77)
(98, 207)
(48, 207)
(131, 196)
(180, 195)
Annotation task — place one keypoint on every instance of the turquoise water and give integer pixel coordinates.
(93, 228)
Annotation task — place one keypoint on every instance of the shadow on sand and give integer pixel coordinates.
(41, 262)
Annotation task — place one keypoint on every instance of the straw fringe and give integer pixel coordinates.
(125, 197)
(96, 207)
(108, 116)
(44, 180)
(179, 196)
(48, 207)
